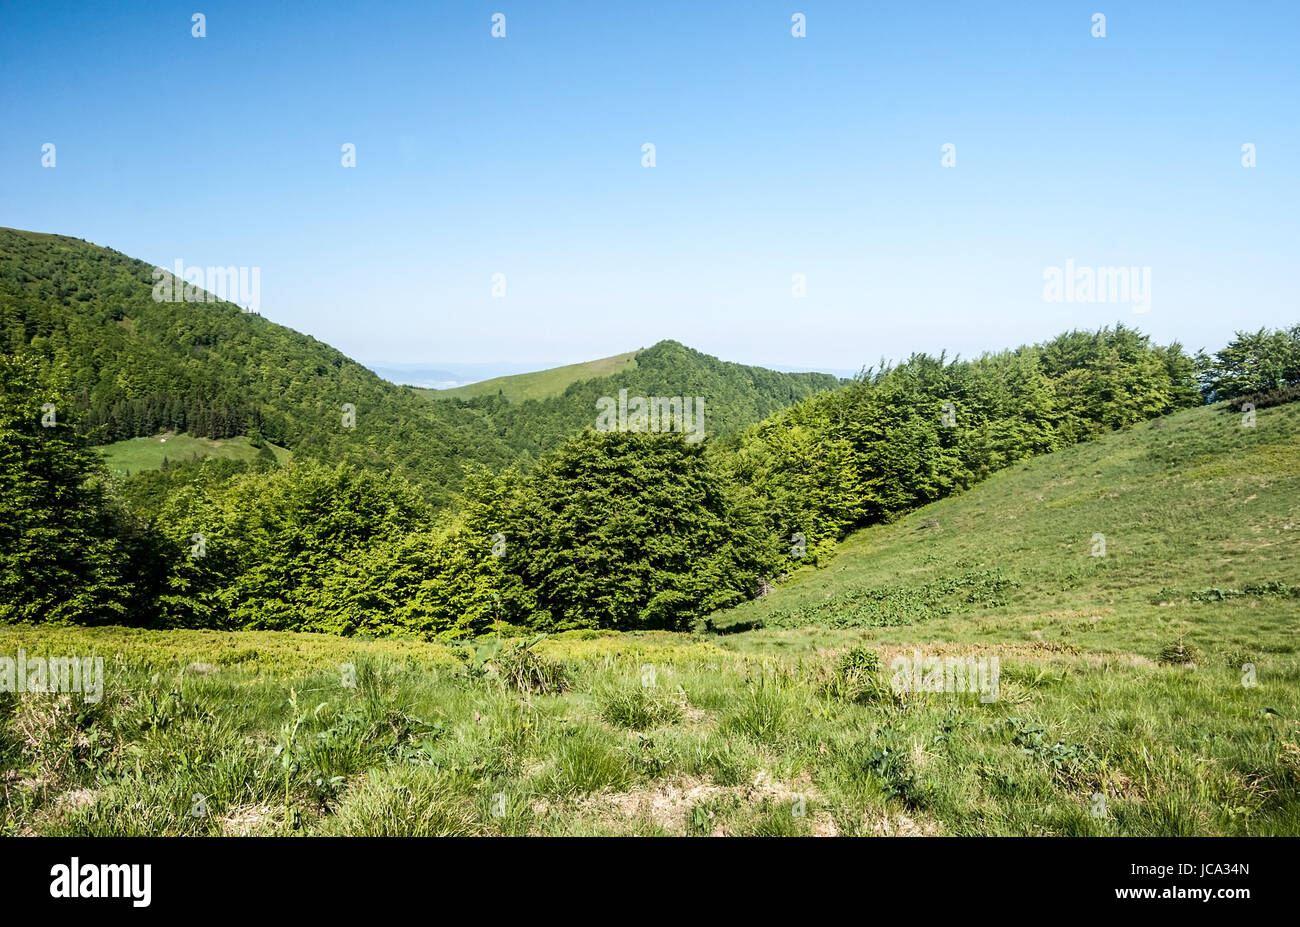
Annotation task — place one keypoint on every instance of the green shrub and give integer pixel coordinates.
(857, 678)
(1179, 652)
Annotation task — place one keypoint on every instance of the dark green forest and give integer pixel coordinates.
(445, 518)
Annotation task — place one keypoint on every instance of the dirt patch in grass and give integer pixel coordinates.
(666, 804)
(897, 824)
(76, 799)
(243, 820)
(663, 803)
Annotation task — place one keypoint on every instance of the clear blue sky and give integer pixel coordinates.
(775, 156)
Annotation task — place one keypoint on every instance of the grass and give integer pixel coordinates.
(1187, 504)
(540, 384)
(136, 454)
(1152, 691)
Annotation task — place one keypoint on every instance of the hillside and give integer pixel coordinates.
(139, 368)
(1201, 523)
(540, 384)
(736, 396)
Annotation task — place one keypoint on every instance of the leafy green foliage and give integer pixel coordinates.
(65, 552)
(1258, 362)
(886, 606)
(1071, 764)
(628, 531)
(904, 436)
(270, 543)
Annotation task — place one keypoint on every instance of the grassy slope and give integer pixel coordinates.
(742, 731)
(1186, 503)
(136, 454)
(541, 383)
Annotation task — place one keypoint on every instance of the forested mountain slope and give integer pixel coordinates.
(735, 396)
(133, 367)
(554, 525)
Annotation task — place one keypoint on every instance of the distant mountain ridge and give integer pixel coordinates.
(447, 375)
(546, 382)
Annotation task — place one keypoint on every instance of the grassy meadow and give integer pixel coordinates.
(1152, 690)
(135, 455)
(540, 384)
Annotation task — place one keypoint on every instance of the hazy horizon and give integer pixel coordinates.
(450, 374)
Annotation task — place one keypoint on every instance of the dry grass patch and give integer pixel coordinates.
(667, 805)
(898, 824)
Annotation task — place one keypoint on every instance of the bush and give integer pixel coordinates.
(1178, 653)
(1264, 400)
(859, 662)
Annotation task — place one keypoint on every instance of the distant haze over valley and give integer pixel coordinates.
(440, 375)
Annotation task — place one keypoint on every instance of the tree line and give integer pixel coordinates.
(607, 530)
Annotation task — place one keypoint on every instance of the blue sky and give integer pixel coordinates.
(775, 156)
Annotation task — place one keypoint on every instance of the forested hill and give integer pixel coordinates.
(736, 396)
(135, 367)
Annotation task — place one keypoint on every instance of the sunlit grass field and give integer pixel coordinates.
(137, 454)
(1151, 690)
(540, 384)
